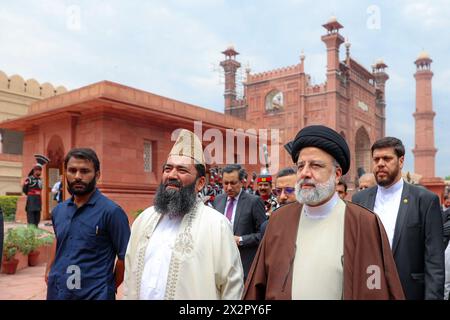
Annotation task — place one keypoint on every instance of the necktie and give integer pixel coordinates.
(230, 209)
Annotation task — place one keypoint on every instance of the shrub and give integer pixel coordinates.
(25, 239)
(32, 238)
(12, 243)
(44, 237)
(9, 206)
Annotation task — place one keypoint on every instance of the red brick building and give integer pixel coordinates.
(131, 131)
(351, 101)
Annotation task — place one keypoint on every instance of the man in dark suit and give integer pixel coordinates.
(245, 211)
(412, 218)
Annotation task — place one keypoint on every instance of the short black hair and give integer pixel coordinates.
(234, 167)
(390, 142)
(244, 173)
(289, 171)
(201, 170)
(342, 182)
(83, 153)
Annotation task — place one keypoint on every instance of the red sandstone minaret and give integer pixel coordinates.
(230, 66)
(381, 77)
(424, 151)
(332, 41)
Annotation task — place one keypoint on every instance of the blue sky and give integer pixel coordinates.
(172, 48)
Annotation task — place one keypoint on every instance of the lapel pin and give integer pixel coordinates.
(405, 200)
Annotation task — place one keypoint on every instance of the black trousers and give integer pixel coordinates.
(33, 217)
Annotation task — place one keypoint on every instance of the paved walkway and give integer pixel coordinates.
(28, 283)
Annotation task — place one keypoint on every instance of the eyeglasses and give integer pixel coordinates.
(287, 190)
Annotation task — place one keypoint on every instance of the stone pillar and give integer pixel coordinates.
(381, 77)
(424, 151)
(230, 66)
(332, 41)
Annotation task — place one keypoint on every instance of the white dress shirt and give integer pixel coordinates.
(387, 203)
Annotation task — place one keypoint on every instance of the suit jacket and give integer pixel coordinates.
(417, 245)
(250, 214)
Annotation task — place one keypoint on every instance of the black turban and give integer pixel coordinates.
(323, 138)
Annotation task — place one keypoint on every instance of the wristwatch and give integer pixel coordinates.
(241, 242)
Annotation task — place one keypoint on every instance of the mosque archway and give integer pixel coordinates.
(55, 169)
(362, 152)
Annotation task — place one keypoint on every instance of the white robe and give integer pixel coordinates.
(205, 262)
(318, 269)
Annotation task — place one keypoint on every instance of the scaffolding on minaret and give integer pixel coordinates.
(241, 77)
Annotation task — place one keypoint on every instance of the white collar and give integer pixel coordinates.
(322, 211)
(396, 187)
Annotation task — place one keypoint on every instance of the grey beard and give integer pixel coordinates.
(175, 203)
(314, 196)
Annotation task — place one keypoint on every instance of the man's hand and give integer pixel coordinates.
(236, 238)
(119, 271)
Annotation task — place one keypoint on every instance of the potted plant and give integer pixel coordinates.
(31, 245)
(11, 245)
(33, 238)
(41, 238)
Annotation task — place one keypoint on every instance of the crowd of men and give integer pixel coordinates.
(288, 236)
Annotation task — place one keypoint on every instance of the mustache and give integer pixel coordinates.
(78, 182)
(173, 182)
(303, 182)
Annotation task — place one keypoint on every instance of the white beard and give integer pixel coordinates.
(316, 195)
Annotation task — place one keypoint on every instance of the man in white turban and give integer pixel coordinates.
(179, 248)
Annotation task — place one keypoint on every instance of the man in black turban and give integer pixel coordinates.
(321, 247)
(323, 138)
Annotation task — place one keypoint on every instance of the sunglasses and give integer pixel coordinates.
(287, 190)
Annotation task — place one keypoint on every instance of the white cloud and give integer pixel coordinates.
(430, 14)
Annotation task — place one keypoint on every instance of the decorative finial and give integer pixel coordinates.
(347, 43)
(247, 67)
(423, 55)
(302, 55)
